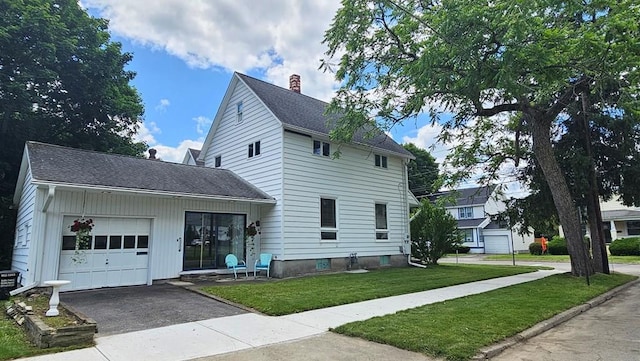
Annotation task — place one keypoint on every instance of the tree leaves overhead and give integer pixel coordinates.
(422, 171)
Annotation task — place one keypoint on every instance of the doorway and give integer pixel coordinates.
(209, 237)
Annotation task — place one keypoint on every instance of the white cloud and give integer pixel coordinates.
(146, 132)
(202, 124)
(176, 154)
(281, 37)
(163, 104)
(426, 138)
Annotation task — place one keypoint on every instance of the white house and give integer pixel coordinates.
(618, 220)
(267, 161)
(473, 208)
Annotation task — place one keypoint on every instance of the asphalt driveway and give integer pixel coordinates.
(134, 308)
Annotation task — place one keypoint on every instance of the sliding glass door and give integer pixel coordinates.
(209, 237)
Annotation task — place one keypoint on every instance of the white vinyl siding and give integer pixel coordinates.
(22, 246)
(265, 172)
(355, 184)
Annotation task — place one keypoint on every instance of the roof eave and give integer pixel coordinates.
(99, 188)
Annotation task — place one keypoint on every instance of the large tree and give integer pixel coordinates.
(422, 171)
(481, 59)
(62, 81)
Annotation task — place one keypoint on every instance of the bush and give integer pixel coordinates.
(535, 249)
(434, 232)
(558, 246)
(459, 248)
(625, 247)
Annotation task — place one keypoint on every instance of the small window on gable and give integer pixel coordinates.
(381, 161)
(239, 109)
(218, 161)
(254, 149)
(321, 148)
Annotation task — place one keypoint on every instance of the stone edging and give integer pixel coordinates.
(495, 349)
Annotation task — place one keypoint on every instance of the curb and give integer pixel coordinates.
(494, 350)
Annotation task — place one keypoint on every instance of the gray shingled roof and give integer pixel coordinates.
(304, 112)
(467, 196)
(195, 153)
(470, 223)
(76, 167)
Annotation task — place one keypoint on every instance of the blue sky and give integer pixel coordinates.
(184, 53)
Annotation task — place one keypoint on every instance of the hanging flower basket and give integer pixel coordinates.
(249, 235)
(82, 228)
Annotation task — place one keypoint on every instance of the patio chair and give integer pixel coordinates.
(232, 263)
(263, 263)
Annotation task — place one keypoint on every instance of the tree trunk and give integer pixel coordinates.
(581, 264)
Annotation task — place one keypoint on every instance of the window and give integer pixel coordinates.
(381, 161)
(218, 161)
(467, 235)
(465, 213)
(328, 225)
(239, 109)
(254, 149)
(633, 228)
(381, 222)
(321, 148)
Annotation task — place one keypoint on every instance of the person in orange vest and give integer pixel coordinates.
(543, 241)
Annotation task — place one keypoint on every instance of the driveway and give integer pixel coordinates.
(135, 308)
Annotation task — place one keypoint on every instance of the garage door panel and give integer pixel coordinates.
(118, 254)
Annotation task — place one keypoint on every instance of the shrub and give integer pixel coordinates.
(459, 248)
(625, 247)
(535, 249)
(557, 246)
(435, 232)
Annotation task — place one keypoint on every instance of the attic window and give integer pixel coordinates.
(381, 161)
(254, 149)
(321, 148)
(239, 109)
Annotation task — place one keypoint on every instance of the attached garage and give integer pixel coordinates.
(497, 244)
(117, 254)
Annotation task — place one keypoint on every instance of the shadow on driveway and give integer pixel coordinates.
(135, 308)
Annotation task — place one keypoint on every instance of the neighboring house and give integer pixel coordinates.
(473, 208)
(268, 160)
(191, 157)
(619, 221)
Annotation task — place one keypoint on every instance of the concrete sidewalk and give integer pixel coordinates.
(241, 332)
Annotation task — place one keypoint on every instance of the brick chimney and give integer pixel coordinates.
(152, 154)
(294, 83)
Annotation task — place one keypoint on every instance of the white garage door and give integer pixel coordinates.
(497, 244)
(117, 256)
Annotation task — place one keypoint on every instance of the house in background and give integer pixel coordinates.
(473, 208)
(619, 221)
(268, 160)
(191, 157)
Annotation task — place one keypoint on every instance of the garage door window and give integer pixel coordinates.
(101, 242)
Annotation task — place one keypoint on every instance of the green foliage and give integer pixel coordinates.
(434, 231)
(625, 247)
(535, 248)
(422, 171)
(557, 246)
(62, 81)
(456, 328)
(527, 61)
(309, 293)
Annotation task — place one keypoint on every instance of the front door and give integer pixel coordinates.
(209, 237)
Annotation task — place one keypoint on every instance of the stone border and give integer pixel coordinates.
(495, 349)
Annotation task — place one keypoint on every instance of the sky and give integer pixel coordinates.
(185, 52)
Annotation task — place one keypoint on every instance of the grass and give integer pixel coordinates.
(313, 292)
(13, 340)
(525, 257)
(457, 329)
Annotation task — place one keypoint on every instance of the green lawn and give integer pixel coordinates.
(14, 343)
(281, 297)
(525, 257)
(457, 329)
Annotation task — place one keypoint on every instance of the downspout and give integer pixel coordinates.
(406, 219)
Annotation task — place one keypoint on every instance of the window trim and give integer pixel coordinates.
(465, 215)
(380, 161)
(239, 112)
(254, 149)
(381, 231)
(335, 220)
(322, 145)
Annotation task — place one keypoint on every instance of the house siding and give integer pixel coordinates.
(264, 171)
(356, 184)
(24, 233)
(167, 216)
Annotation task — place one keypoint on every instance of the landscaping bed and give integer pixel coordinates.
(70, 328)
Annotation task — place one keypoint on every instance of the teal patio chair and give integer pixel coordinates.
(263, 263)
(232, 263)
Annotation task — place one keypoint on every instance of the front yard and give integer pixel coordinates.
(525, 257)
